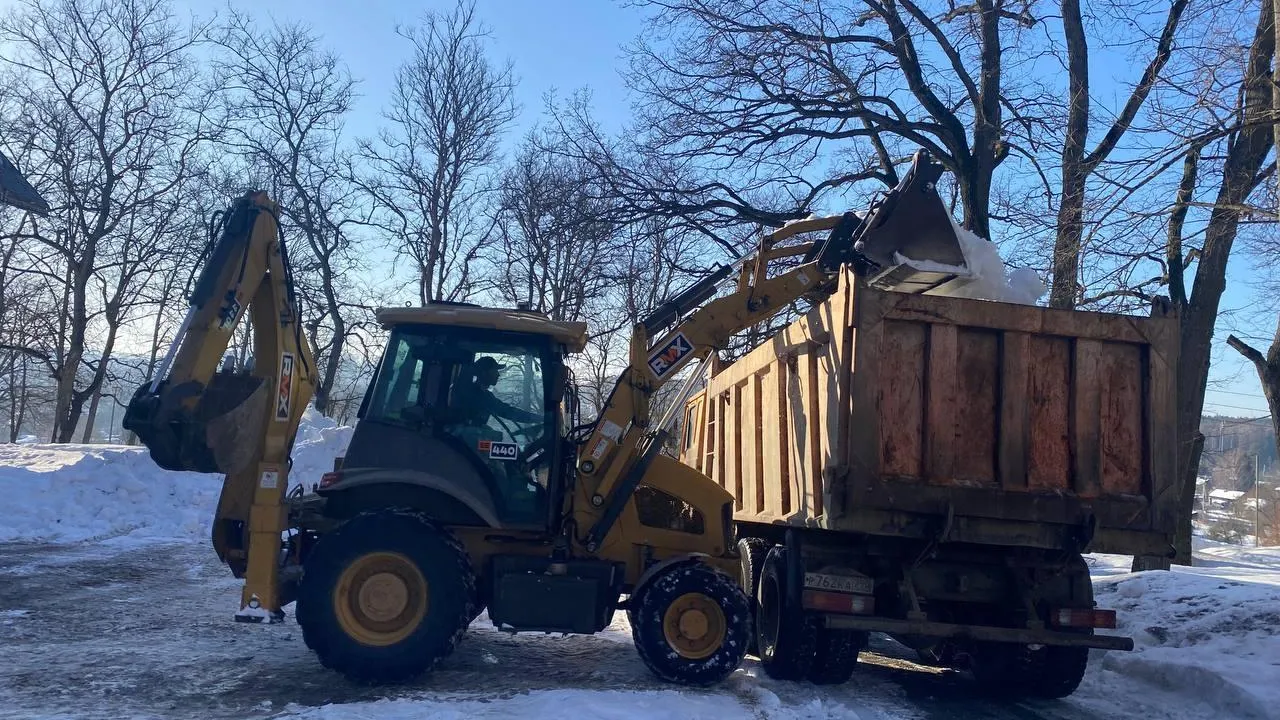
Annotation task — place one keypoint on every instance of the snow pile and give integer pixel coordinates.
(73, 493)
(985, 277)
(1212, 630)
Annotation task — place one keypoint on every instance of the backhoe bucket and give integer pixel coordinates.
(220, 434)
(910, 237)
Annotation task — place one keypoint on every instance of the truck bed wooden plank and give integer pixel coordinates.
(1049, 465)
(977, 407)
(1015, 416)
(943, 381)
(900, 399)
(1120, 433)
(1086, 418)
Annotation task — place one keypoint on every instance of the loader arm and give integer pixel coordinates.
(909, 224)
(194, 417)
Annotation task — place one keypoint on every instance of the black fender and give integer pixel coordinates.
(659, 567)
(478, 502)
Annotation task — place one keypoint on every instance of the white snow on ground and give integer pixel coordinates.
(1212, 630)
(72, 493)
(1207, 635)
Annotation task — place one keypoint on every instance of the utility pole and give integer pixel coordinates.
(1257, 506)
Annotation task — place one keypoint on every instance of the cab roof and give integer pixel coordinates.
(573, 335)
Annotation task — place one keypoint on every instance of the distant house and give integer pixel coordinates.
(1225, 499)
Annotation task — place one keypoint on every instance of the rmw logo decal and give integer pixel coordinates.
(284, 393)
(670, 355)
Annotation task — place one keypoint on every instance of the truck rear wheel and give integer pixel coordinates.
(1051, 671)
(690, 625)
(787, 636)
(752, 551)
(385, 596)
(836, 657)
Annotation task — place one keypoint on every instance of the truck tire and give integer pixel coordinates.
(1050, 672)
(787, 637)
(386, 596)
(752, 551)
(691, 624)
(836, 657)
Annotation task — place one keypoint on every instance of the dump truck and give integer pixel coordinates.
(934, 468)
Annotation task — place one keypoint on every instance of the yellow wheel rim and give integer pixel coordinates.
(380, 599)
(694, 626)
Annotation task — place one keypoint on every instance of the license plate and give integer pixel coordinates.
(839, 583)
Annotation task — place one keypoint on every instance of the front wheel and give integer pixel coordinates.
(691, 625)
(385, 596)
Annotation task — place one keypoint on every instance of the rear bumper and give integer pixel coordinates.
(1021, 636)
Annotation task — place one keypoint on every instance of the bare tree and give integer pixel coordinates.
(1234, 158)
(556, 242)
(1077, 163)
(449, 108)
(113, 114)
(757, 93)
(285, 98)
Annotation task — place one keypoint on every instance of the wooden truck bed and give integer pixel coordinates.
(914, 415)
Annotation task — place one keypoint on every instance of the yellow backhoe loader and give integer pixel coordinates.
(469, 483)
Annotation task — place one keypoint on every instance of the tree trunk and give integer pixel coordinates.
(1268, 369)
(1244, 159)
(86, 436)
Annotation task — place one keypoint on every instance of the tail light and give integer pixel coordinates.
(329, 479)
(1070, 618)
(834, 602)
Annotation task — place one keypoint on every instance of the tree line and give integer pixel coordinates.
(1124, 149)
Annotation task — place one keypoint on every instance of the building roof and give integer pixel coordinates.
(1231, 495)
(16, 191)
(571, 334)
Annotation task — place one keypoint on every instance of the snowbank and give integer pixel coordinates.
(1212, 630)
(73, 493)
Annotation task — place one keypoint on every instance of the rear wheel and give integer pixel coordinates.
(836, 657)
(787, 636)
(1016, 670)
(752, 551)
(691, 624)
(386, 596)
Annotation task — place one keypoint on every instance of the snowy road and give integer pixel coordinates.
(142, 629)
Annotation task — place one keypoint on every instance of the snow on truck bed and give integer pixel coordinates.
(74, 493)
(1209, 633)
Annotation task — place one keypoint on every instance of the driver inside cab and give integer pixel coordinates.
(476, 401)
(473, 404)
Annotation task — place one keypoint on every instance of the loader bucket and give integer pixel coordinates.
(910, 238)
(220, 434)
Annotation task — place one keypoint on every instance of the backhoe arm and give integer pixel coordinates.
(909, 224)
(193, 417)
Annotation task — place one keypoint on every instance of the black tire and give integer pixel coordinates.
(787, 637)
(1050, 672)
(752, 551)
(837, 656)
(653, 635)
(446, 607)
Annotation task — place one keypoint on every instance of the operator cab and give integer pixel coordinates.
(465, 407)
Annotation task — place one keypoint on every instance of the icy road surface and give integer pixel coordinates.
(140, 628)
